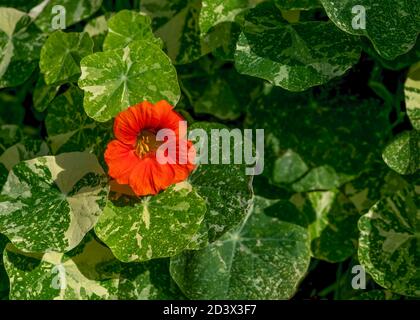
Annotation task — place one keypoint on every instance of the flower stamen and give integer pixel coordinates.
(146, 143)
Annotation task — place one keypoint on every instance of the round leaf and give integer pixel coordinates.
(392, 26)
(402, 154)
(90, 271)
(128, 26)
(140, 229)
(75, 11)
(50, 203)
(226, 188)
(115, 79)
(61, 55)
(293, 56)
(20, 46)
(263, 258)
(412, 95)
(389, 242)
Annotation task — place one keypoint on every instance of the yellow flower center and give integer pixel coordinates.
(146, 142)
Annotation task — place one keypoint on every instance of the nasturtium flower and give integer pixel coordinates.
(131, 157)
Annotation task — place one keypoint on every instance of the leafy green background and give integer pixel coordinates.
(340, 109)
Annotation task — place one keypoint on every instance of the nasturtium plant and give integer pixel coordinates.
(246, 262)
(74, 11)
(49, 203)
(115, 79)
(296, 130)
(292, 56)
(20, 46)
(400, 19)
(78, 133)
(155, 227)
(412, 94)
(128, 26)
(61, 55)
(389, 242)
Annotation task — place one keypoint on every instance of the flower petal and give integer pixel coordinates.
(121, 160)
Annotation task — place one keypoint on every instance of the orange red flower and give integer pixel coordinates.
(131, 157)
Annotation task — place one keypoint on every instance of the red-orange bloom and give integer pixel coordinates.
(131, 158)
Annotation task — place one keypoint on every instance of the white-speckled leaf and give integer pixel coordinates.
(412, 95)
(293, 56)
(20, 46)
(402, 154)
(214, 12)
(128, 26)
(391, 25)
(61, 55)
(389, 242)
(89, 272)
(113, 80)
(140, 229)
(263, 258)
(51, 202)
(75, 11)
(226, 187)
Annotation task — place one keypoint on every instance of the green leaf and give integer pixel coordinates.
(140, 229)
(90, 271)
(43, 94)
(331, 222)
(399, 63)
(225, 187)
(20, 46)
(75, 11)
(176, 22)
(61, 55)
(78, 132)
(412, 95)
(214, 12)
(293, 56)
(115, 79)
(373, 185)
(51, 202)
(128, 26)
(148, 280)
(400, 19)
(389, 242)
(288, 167)
(10, 134)
(263, 258)
(25, 149)
(402, 154)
